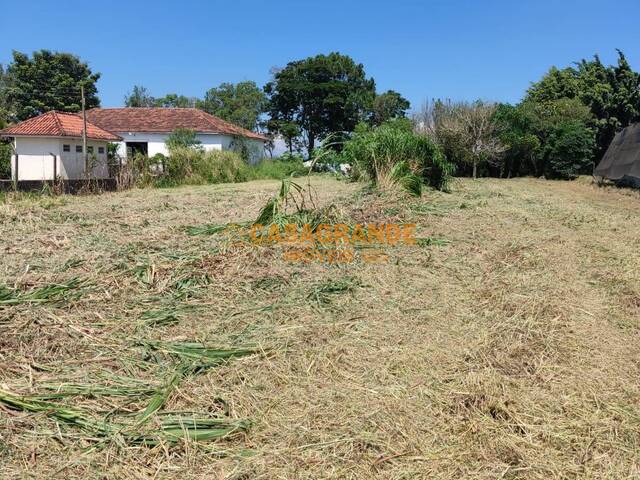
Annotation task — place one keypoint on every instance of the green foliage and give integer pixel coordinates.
(4, 106)
(181, 138)
(611, 93)
(48, 81)
(173, 100)
(387, 106)
(321, 95)
(514, 126)
(241, 104)
(139, 97)
(391, 157)
(568, 150)
(190, 166)
(5, 160)
(279, 168)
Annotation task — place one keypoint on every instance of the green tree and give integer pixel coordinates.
(241, 104)
(522, 146)
(48, 81)
(173, 100)
(139, 97)
(566, 141)
(4, 111)
(387, 106)
(612, 94)
(182, 138)
(322, 95)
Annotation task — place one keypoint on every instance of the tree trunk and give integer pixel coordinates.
(475, 168)
(311, 145)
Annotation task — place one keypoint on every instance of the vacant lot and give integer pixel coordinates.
(506, 344)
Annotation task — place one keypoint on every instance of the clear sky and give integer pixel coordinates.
(459, 49)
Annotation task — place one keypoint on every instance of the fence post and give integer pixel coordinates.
(16, 176)
(55, 167)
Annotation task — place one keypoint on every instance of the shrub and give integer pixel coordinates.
(182, 138)
(5, 161)
(569, 150)
(389, 156)
(190, 166)
(279, 168)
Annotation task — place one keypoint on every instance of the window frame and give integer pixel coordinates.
(66, 147)
(78, 148)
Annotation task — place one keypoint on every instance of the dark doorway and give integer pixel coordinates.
(137, 147)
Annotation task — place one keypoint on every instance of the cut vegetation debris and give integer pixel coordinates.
(170, 430)
(505, 344)
(56, 292)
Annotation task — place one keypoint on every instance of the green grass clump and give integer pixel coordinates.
(391, 156)
(278, 169)
(191, 166)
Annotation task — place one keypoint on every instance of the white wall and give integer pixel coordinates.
(209, 141)
(36, 158)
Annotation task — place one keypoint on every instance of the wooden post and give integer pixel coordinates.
(84, 133)
(16, 176)
(55, 167)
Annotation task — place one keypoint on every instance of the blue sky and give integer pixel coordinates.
(491, 49)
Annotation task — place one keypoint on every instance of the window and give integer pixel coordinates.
(78, 148)
(100, 149)
(89, 149)
(66, 148)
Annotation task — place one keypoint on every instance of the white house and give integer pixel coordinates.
(49, 146)
(145, 130)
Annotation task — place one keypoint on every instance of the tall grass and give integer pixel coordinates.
(192, 166)
(394, 157)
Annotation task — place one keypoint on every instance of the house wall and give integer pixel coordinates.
(209, 141)
(36, 159)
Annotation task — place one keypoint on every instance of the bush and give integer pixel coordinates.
(390, 156)
(569, 150)
(279, 168)
(5, 161)
(182, 138)
(190, 166)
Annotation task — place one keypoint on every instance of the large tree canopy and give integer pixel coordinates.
(241, 104)
(612, 94)
(322, 95)
(48, 81)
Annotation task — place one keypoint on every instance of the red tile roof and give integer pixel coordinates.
(57, 124)
(164, 120)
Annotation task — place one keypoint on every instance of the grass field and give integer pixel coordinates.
(506, 344)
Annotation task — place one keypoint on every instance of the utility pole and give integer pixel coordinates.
(84, 133)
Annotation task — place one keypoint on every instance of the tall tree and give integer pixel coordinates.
(612, 93)
(4, 111)
(241, 104)
(139, 97)
(322, 95)
(48, 81)
(388, 106)
(173, 100)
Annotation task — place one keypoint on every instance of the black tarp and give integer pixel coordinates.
(623, 156)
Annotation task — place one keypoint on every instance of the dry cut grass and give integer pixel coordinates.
(137, 341)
